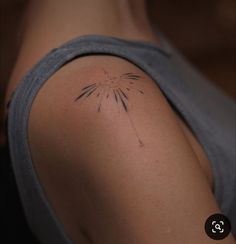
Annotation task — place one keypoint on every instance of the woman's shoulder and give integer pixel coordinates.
(102, 132)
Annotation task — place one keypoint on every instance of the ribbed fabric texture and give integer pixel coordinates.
(209, 113)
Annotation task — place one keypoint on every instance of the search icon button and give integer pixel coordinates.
(217, 226)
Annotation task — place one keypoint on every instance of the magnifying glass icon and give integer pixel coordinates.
(217, 226)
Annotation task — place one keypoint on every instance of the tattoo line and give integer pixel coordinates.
(116, 85)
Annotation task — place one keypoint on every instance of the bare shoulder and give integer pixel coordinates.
(112, 158)
(100, 92)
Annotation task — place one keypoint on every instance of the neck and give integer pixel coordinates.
(49, 23)
(70, 18)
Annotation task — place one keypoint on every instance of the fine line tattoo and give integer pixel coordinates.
(113, 87)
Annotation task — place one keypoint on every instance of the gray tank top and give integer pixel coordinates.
(208, 112)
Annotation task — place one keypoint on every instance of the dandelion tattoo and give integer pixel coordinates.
(113, 87)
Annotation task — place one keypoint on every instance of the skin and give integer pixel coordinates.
(118, 167)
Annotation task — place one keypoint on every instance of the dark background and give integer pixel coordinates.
(205, 31)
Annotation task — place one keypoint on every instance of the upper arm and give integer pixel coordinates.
(113, 159)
